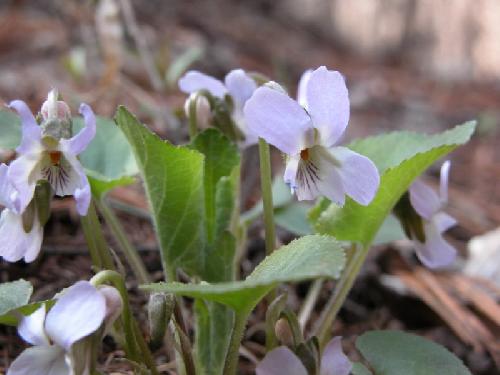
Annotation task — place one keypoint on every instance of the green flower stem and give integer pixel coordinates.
(342, 289)
(267, 195)
(309, 302)
(134, 341)
(98, 247)
(240, 322)
(128, 249)
(193, 120)
(186, 351)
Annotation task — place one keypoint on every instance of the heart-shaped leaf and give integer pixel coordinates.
(396, 353)
(13, 295)
(308, 257)
(400, 158)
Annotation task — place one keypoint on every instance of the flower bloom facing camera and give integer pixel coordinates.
(433, 250)
(308, 131)
(48, 152)
(17, 242)
(79, 312)
(284, 361)
(237, 84)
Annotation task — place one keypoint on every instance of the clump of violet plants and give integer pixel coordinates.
(194, 195)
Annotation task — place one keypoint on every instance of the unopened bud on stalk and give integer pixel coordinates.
(56, 117)
(199, 106)
(160, 308)
(283, 332)
(114, 305)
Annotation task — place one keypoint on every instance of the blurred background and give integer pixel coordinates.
(423, 65)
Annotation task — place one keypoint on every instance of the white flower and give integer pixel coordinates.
(78, 312)
(307, 131)
(43, 156)
(15, 242)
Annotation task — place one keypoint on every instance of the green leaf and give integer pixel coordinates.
(293, 218)
(221, 159)
(390, 231)
(396, 353)
(360, 369)
(400, 158)
(214, 323)
(10, 129)
(100, 185)
(109, 154)
(13, 295)
(173, 179)
(308, 257)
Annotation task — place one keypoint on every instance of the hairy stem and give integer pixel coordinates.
(128, 249)
(240, 322)
(342, 289)
(98, 247)
(267, 195)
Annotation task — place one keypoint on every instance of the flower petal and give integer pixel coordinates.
(317, 175)
(280, 361)
(358, 173)
(301, 89)
(31, 328)
(240, 86)
(23, 174)
(334, 361)
(7, 192)
(291, 169)
(79, 312)
(443, 221)
(40, 360)
(424, 200)
(443, 183)
(194, 81)
(31, 132)
(16, 243)
(278, 119)
(435, 252)
(328, 104)
(78, 143)
(77, 183)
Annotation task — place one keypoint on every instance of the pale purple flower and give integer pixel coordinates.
(79, 312)
(238, 84)
(308, 131)
(283, 361)
(42, 156)
(435, 251)
(15, 242)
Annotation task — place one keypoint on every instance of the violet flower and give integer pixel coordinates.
(238, 84)
(434, 252)
(16, 243)
(283, 361)
(79, 312)
(307, 131)
(46, 152)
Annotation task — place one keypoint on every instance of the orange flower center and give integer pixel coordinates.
(55, 157)
(304, 154)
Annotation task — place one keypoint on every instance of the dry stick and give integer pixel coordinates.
(146, 57)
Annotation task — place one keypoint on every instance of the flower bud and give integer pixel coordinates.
(202, 109)
(283, 332)
(160, 308)
(56, 117)
(114, 305)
